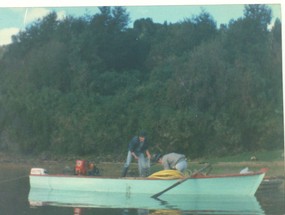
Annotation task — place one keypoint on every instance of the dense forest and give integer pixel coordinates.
(86, 85)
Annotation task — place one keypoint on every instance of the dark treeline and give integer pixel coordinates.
(86, 85)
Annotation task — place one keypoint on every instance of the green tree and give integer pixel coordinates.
(85, 85)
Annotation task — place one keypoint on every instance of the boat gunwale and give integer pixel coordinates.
(198, 176)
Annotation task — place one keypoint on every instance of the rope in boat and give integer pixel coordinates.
(13, 179)
(167, 174)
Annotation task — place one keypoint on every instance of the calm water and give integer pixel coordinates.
(15, 194)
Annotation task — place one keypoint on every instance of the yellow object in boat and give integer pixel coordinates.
(167, 174)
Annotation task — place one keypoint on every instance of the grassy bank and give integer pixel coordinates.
(273, 160)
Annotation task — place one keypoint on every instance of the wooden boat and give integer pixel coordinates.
(245, 184)
(206, 204)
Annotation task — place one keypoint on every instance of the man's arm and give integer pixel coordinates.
(165, 162)
(148, 154)
(132, 147)
(134, 155)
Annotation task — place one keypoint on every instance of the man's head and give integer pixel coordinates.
(157, 158)
(142, 135)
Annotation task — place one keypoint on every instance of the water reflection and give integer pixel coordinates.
(15, 193)
(78, 211)
(272, 201)
(144, 204)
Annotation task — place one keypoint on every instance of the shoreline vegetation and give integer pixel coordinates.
(85, 85)
(109, 167)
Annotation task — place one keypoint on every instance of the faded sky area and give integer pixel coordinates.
(17, 16)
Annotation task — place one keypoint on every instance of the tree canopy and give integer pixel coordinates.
(86, 85)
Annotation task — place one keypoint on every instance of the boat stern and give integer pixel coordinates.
(38, 171)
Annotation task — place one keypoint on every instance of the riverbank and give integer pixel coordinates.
(108, 167)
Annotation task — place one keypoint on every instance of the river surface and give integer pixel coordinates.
(16, 198)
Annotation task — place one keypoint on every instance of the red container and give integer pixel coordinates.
(80, 167)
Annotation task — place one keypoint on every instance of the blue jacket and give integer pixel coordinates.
(138, 147)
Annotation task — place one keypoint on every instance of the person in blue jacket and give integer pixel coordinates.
(138, 148)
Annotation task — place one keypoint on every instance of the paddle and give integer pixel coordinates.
(180, 182)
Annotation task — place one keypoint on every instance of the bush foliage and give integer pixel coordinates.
(86, 85)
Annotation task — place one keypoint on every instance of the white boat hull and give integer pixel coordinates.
(236, 184)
